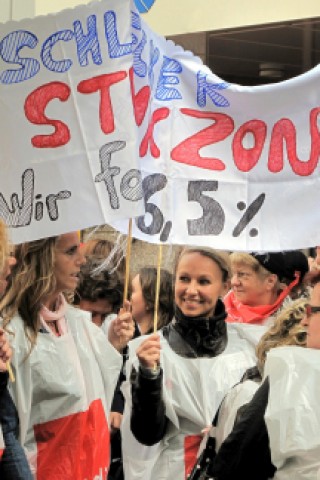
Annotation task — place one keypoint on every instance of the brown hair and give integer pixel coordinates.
(219, 257)
(97, 285)
(33, 280)
(4, 245)
(147, 278)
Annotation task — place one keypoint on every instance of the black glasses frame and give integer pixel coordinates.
(311, 309)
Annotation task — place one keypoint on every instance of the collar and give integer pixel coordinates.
(198, 336)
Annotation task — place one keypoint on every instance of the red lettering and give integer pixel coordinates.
(140, 100)
(157, 115)
(284, 130)
(34, 108)
(188, 151)
(103, 83)
(246, 158)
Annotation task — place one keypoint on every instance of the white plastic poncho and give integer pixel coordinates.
(238, 396)
(63, 393)
(293, 412)
(1, 443)
(193, 390)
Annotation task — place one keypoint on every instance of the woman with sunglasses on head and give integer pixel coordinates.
(65, 368)
(242, 442)
(181, 374)
(293, 413)
(279, 428)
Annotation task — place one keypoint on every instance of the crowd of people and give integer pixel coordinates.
(216, 360)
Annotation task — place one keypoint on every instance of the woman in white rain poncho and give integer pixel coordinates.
(65, 367)
(199, 359)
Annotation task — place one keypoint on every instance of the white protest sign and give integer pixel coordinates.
(66, 111)
(92, 100)
(224, 165)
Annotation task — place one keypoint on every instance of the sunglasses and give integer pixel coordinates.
(310, 310)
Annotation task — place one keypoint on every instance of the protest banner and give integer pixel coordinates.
(224, 165)
(101, 117)
(65, 111)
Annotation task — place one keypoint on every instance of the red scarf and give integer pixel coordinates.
(239, 312)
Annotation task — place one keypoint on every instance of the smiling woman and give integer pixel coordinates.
(180, 375)
(65, 368)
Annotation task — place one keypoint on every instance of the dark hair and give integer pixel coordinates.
(101, 249)
(148, 280)
(99, 285)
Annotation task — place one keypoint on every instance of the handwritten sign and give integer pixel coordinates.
(101, 120)
(66, 114)
(224, 165)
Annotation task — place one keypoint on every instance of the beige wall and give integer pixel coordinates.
(16, 9)
(42, 7)
(169, 17)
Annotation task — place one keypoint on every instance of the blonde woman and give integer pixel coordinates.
(286, 330)
(66, 369)
(13, 462)
(180, 375)
(262, 284)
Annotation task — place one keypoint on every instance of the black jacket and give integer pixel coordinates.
(245, 453)
(189, 337)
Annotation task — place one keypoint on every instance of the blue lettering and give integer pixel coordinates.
(166, 79)
(204, 88)
(139, 65)
(116, 49)
(154, 57)
(135, 21)
(59, 66)
(9, 52)
(89, 42)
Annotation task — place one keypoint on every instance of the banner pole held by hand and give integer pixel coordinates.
(128, 256)
(156, 303)
(11, 375)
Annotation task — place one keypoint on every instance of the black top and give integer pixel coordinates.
(245, 453)
(194, 337)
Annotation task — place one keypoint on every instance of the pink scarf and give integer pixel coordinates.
(57, 316)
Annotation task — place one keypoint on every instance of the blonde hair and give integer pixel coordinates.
(148, 281)
(33, 281)
(4, 245)
(218, 257)
(242, 258)
(247, 260)
(286, 330)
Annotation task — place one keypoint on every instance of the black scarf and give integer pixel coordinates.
(194, 337)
